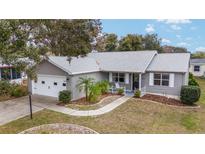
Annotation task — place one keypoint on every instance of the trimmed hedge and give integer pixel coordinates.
(19, 91)
(137, 93)
(104, 86)
(192, 81)
(64, 96)
(190, 94)
(120, 91)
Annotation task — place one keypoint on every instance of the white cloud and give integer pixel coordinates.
(178, 36)
(175, 21)
(183, 44)
(188, 38)
(149, 28)
(164, 40)
(193, 28)
(200, 49)
(175, 27)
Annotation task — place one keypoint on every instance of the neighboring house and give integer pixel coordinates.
(8, 72)
(148, 71)
(197, 67)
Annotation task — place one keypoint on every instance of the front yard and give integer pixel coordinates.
(134, 116)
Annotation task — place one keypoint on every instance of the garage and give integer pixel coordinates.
(49, 85)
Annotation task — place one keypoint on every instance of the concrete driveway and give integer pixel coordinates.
(16, 108)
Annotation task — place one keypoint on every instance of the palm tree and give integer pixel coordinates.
(84, 84)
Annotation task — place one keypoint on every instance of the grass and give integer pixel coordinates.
(201, 82)
(134, 116)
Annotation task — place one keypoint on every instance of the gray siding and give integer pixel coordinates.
(179, 80)
(49, 69)
(97, 76)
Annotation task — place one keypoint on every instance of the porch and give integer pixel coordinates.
(130, 82)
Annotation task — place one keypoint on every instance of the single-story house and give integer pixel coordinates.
(197, 67)
(148, 71)
(8, 72)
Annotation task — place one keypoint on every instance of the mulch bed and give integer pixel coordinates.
(59, 128)
(164, 100)
(82, 101)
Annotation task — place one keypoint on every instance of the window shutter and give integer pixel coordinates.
(171, 80)
(151, 79)
(110, 77)
(127, 78)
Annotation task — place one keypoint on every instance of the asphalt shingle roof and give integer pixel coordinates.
(170, 62)
(201, 61)
(129, 61)
(76, 65)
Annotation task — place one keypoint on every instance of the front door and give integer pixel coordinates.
(135, 81)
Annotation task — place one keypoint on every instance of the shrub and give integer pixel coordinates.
(192, 81)
(190, 94)
(120, 91)
(94, 93)
(104, 86)
(137, 93)
(19, 91)
(5, 87)
(64, 96)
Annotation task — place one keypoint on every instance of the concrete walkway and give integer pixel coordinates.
(17, 108)
(107, 108)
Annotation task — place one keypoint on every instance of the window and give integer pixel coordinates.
(161, 79)
(121, 77)
(196, 68)
(115, 77)
(6, 73)
(15, 74)
(118, 77)
(43, 82)
(55, 83)
(64, 84)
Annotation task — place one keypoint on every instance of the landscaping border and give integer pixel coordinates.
(175, 106)
(84, 129)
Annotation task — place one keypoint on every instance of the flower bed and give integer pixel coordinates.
(59, 128)
(164, 100)
(82, 101)
(103, 102)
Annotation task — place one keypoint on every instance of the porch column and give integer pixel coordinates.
(140, 81)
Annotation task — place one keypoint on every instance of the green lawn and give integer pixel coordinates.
(202, 85)
(131, 117)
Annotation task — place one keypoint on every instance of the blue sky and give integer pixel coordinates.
(182, 33)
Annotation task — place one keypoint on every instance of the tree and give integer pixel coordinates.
(152, 42)
(131, 42)
(198, 54)
(65, 37)
(14, 49)
(111, 42)
(23, 42)
(172, 49)
(85, 84)
(107, 42)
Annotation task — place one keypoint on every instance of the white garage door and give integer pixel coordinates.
(49, 85)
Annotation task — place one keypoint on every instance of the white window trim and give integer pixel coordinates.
(118, 77)
(162, 80)
(151, 79)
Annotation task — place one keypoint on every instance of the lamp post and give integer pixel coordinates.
(30, 104)
(30, 100)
